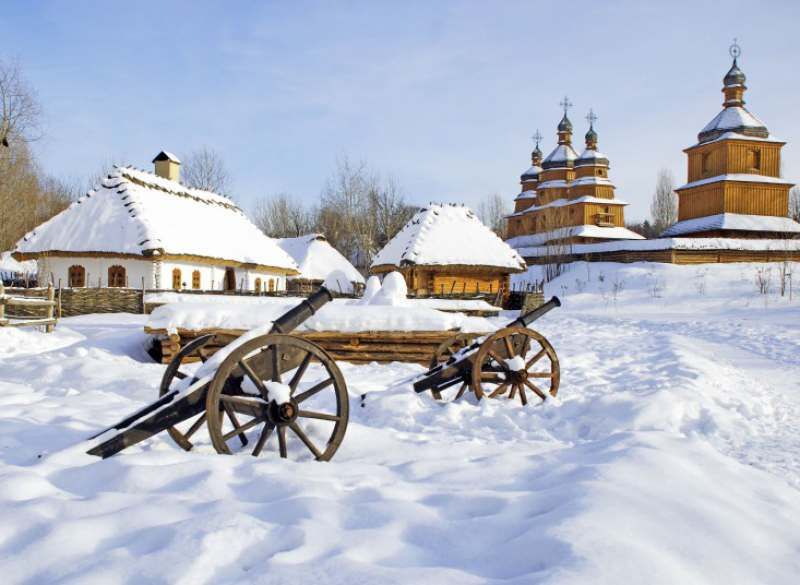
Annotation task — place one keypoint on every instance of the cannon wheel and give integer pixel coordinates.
(261, 412)
(445, 351)
(172, 373)
(495, 374)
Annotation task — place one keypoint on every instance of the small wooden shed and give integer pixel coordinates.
(445, 250)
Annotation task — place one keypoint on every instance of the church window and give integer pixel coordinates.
(176, 278)
(754, 160)
(77, 276)
(196, 279)
(116, 276)
(706, 162)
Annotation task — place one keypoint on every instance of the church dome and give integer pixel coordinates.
(565, 125)
(735, 76)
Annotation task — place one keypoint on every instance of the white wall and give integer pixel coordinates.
(156, 273)
(136, 270)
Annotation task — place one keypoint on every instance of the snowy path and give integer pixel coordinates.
(669, 457)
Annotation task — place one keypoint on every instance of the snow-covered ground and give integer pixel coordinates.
(672, 455)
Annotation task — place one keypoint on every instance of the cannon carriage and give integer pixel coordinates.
(269, 387)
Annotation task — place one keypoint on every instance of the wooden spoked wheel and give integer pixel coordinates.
(513, 362)
(278, 385)
(445, 351)
(182, 433)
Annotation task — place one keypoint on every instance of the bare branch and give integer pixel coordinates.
(205, 169)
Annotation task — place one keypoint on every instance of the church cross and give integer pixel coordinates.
(537, 137)
(591, 117)
(566, 104)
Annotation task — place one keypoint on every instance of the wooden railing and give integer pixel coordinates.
(604, 219)
(48, 304)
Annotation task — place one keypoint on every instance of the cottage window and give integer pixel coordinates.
(116, 276)
(77, 276)
(271, 285)
(196, 280)
(257, 287)
(176, 278)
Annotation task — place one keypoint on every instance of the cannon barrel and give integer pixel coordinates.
(455, 369)
(538, 312)
(295, 317)
(172, 408)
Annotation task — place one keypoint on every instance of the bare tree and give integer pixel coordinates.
(492, 211)
(20, 112)
(205, 169)
(664, 207)
(282, 216)
(794, 203)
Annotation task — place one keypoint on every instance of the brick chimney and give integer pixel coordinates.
(168, 166)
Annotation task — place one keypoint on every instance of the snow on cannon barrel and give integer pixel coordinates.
(265, 384)
(511, 362)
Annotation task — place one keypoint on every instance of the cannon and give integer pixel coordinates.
(274, 384)
(510, 362)
(265, 385)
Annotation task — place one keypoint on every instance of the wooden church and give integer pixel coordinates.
(734, 187)
(568, 198)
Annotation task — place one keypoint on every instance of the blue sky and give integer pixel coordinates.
(442, 95)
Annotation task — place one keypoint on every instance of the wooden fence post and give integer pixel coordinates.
(50, 308)
(2, 302)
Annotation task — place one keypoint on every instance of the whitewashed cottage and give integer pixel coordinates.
(143, 229)
(316, 259)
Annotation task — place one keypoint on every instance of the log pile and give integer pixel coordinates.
(356, 347)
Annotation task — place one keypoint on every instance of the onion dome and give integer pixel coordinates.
(735, 76)
(565, 125)
(591, 137)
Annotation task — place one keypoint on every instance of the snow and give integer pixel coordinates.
(316, 258)
(371, 289)
(740, 177)
(526, 195)
(734, 221)
(134, 212)
(592, 181)
(733, 118)
(563, 153)
(9, 266)
(593, 156)
(738, 136)
(670, 456)
(278, 393)
(393, 291)
(386, 312)
(528, 246)
(554, 184)
(531, 172)
(447, 235)
(562, 202)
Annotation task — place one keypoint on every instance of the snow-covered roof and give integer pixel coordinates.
(564, 202)
(738, 177)
(166, 155)
(8, 265)
(563, 154)
(555, 184)
(591, 156)
(521, 243)
(739, 136)
(734, 221)
(671, 244)
(733, 118)
(136, 212)
(531, 173)
(592, 181)
(527, 195)
(442, 234)
(316, 258)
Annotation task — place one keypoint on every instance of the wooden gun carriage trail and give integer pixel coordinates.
(285, 386)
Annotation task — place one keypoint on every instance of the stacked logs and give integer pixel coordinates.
(354, 347)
